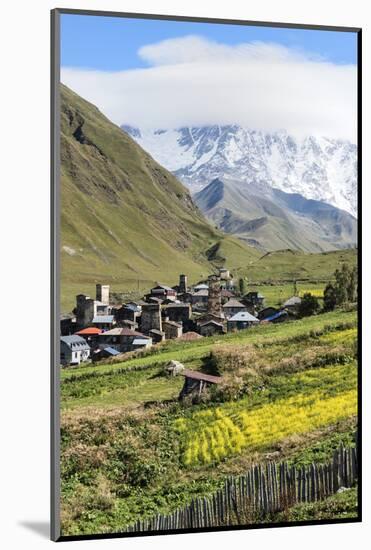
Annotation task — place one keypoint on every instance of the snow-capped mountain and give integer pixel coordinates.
(318, 168)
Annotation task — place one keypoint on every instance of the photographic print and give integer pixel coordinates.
(205, 188)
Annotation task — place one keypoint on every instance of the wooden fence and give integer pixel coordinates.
(262, 491)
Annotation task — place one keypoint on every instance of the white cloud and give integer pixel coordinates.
(193, 81)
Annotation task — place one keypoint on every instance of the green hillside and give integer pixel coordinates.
(125, 220)
(289, 265)
(270, 219)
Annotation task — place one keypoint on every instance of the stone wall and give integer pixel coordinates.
(172, 329)
(178, 313)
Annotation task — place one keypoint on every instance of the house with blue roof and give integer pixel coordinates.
(73, 350)
(105, 353)
(104, 322)
(241, 320)
(278, 317)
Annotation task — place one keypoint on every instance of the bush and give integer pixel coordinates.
(134, 466)
(343, 291)
(224, 359)
(329, 298)
(309, 305)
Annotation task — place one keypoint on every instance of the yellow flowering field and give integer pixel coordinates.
(261, 427)
(340, 337)
(318, 293)
(213, 434)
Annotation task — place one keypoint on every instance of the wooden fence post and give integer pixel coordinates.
(262, 490)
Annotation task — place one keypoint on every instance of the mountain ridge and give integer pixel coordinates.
(318, 168)
(275, 220)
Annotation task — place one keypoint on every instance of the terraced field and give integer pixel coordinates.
(215, 434)
(130, 449)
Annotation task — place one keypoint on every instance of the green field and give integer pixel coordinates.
(273, 275)
(131, 450)
(289, 265)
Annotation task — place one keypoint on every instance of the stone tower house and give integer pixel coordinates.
(85, 310)
(214, 303)
(183, 283)
(151, 318)
(102, 294)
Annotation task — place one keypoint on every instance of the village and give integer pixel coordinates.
(99, 330)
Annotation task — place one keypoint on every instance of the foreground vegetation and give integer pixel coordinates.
(221, 432)
(131, 450)
(342, 505)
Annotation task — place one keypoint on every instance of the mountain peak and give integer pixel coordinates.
(271, 219)
(318, 168)
(132, 131)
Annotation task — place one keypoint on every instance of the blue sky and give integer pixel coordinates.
(168, 74)
(111, 44)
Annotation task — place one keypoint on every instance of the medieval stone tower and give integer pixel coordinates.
(151, 318)
(214, 304)
(102, 294)
(85, 310)
(183, 283)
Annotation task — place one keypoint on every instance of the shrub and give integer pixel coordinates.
(225, 359)
(309, 305)
(343, 290)
(329, 298)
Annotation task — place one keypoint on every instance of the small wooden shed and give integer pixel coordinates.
(196, 382)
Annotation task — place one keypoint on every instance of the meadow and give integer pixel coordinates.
(130, 449)
(277, 294)
(272, 274)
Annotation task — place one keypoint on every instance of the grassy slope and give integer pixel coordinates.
(267, 219)
(288, 265)
(124, 218)
(123, 452)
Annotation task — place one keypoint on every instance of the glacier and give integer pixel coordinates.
(316, 167)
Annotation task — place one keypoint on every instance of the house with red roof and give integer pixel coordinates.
(90, 334)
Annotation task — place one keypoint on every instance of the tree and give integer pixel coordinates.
(345, 284)
(329, 297)
(343, 290)
(352, 286)
(241, 286)
(341, 284)
(309, 305)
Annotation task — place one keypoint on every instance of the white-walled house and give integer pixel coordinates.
(74, 350)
